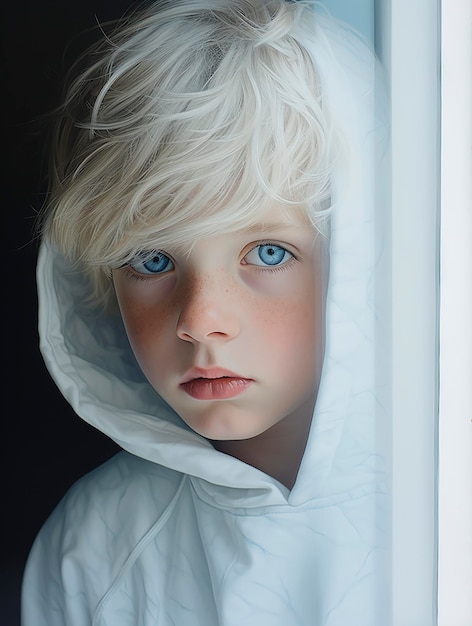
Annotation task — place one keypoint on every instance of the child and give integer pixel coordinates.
(206, 160)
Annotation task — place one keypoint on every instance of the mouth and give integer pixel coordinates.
(214, 384)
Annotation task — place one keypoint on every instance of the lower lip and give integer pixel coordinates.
(216, 388)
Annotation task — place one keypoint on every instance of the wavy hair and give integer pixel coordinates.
(190, 118)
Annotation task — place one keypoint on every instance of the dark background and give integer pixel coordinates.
(45, 446)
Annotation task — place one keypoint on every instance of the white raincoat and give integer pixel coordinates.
(171, 531)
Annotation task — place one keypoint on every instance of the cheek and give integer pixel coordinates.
(289, 330)
(150, 339)
(147, 329)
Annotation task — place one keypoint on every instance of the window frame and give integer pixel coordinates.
(455, 361)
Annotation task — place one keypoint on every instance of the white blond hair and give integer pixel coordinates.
(191, 118)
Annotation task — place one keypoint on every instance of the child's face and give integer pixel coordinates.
(232, 335)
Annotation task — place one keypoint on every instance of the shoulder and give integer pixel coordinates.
(89, 536)
(120, 499)
(122, 481)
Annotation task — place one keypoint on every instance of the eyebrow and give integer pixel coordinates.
(267, 227)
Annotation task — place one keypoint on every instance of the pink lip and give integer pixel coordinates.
(214, 384)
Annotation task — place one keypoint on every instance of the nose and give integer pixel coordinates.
(208, 311)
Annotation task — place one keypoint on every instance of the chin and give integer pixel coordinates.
(217, 429)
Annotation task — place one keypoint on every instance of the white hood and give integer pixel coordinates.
(211, 540)
(89, 357)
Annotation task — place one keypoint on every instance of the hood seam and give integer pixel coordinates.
(138, 549)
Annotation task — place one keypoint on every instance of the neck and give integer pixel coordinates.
(278, 451)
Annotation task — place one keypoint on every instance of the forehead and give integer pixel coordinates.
(280, 215)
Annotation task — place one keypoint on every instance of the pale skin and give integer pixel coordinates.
(252, 303)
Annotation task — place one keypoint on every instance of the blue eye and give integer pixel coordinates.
(268, 254)
(152, 263)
